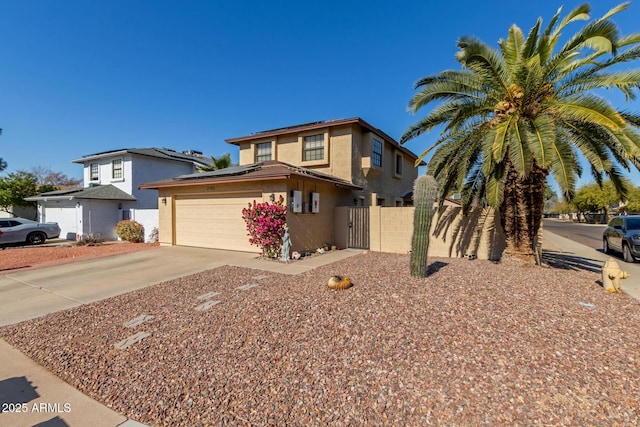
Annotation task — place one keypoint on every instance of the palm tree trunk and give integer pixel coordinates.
(521, 213)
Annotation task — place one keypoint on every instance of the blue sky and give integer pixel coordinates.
(80, 77)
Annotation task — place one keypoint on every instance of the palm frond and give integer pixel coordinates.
(579, 13)
(474, 187)
(519, 153)
(483, 60)
(620, 183)
(625, 81)
(589, 108)
(501, 140)
(615, 10)
(598, 35)
(531, 41)
(542, 138)
(563, 167)
(511, 49)
(495, 191)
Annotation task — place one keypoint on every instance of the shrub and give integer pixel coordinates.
(265, 224)
(130, 231)
(91, 240)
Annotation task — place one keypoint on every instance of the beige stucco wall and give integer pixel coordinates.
(453, 235)
(310, 231)
(348, 157)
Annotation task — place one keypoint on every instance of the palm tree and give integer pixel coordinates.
(221, 162)
(516, 115)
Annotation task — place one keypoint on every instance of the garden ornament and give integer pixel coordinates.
(339, 282)
(286, 244)
(611, 276)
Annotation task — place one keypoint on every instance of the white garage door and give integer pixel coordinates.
(65, 216)
(213, 221)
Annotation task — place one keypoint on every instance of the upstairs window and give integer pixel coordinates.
(116, 169)
(263, 152)
(94, 168)
(313, 148)
(376, 153)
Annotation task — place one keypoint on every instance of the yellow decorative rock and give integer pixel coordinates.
(611, 276)
(340, 282)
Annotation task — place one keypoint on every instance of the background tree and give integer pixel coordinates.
(18, 185)
(3, 164)
(633, 204)
(47, 176)
(514, 116)
(594, 201)
(221, 162)
(562, 208)
(550, 199)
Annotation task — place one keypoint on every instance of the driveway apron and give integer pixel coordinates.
(29, 294)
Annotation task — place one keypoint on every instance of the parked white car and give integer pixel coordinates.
(21, 230)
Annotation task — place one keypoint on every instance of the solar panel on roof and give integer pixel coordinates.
(231, 170)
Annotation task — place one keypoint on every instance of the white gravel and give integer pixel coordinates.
(475, 343)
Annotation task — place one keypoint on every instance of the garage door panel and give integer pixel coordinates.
(65, 216)
(213, 221)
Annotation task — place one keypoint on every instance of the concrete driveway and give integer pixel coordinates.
(34, 293)
(29, 294)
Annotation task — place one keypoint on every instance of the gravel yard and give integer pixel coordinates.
(16, 258)
(475, 343)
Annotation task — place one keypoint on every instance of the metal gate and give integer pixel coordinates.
(358, 236)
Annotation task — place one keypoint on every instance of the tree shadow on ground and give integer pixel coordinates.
(53, 422)
(434, 267)
(17, 390)
(571, 262)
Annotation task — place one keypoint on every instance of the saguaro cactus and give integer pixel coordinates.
(424, 195)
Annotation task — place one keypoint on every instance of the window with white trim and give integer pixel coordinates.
(94, 170)
(376, 153)
(313, 148)
(116, 169)
(263, 152)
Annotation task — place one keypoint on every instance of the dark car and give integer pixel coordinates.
(623, 235)
(21, 230)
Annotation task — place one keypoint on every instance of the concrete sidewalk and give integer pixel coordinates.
(31, 395)
(578, 256)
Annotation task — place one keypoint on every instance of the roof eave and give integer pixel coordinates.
(293, 129)
(270, 177)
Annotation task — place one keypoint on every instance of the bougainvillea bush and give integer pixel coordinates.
(265, 224)
(130, 231)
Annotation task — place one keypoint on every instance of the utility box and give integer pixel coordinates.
(314, 202)
(296, 201)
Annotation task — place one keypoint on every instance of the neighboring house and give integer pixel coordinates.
(111, 192)
(315, 167)
(28, 212)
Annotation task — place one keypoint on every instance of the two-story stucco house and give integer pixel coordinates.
(314, 167)
(111, 192)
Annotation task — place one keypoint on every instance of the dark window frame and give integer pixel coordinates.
(376, 153)
(264, 152)
(313, 148)
(94, 172)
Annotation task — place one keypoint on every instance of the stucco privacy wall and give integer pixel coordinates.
(453, 235)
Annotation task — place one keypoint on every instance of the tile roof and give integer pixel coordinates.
(265, 171)
(98, 192)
